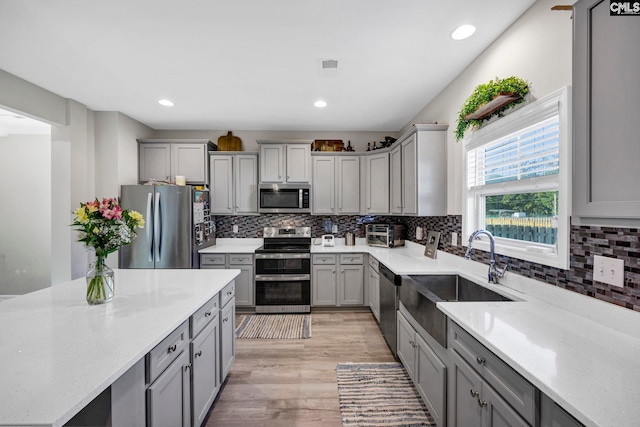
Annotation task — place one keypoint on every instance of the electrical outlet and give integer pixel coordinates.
(454, 239)
(235, 228)
(608, 270)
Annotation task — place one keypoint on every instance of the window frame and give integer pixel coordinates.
(557, 103)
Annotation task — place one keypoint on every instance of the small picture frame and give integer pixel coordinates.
(431, 247)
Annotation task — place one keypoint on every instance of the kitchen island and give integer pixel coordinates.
(59, 353)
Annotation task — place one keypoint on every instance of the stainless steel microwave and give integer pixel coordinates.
(284, 198)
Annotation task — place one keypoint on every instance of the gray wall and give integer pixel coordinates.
(25, 228)
(537, 48)
(89, 152)
(358, 140)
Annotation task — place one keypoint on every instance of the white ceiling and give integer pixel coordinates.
(249, 64)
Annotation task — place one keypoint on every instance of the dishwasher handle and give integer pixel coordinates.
(390, 275)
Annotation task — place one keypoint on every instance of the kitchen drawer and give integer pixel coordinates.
(204, 315)
(240, 259)
(373, 263)
(513, 388)
(212, 259)
(324, 259)
(167, 351)
(227, 293)
(351, 258)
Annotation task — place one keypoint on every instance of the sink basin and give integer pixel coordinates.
(420, 293)
(456, 288)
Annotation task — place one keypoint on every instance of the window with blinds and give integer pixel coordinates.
(530, 153)
(517, 181)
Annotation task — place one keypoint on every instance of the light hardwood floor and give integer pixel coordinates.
(293, 382)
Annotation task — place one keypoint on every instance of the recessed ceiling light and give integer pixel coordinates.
(165, 102)
(463, 31)
(320, 103)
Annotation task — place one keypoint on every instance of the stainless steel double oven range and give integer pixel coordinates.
(283, 271)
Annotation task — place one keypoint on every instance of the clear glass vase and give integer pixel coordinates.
(100, 282)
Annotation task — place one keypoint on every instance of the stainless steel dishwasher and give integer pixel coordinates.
(389, 283)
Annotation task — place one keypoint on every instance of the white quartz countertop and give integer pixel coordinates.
(582, 353)
(233, 246)
(58, 353)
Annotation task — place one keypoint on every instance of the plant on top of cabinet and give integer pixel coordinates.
(488, 100)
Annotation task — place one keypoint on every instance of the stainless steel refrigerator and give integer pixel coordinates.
(178, 223)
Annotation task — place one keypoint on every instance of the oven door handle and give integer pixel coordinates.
(282, 278)
(283, 256)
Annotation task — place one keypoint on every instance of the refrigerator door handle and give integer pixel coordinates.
(149, 226)
(157, 227)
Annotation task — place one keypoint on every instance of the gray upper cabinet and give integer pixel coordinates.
(163, 159)
(606, 65)
(418, 172)
(285, 161)
(234, 183)
(336, 184)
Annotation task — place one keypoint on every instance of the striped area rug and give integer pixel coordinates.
(275, 326)
(379, 394)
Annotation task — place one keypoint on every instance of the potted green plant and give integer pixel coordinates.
(488, 100)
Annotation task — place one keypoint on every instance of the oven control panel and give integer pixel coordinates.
(287, 232)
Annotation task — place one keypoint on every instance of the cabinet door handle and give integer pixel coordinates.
(481, 403)
(198, 354)
(480, 360)
(207, 314)
(226, 319)
(229, 292)
(172, 348)
(187, 366)
(334, 272)
(474, 393)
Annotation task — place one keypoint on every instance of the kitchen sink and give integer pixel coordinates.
(420, 293)
(455, 288)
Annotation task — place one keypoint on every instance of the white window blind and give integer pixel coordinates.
(529, 153)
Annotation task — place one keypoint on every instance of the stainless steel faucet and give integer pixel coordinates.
(494, 274)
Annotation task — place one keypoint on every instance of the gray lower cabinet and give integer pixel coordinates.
(169, 396)
(476, 403)
(483, 389)
(227, 330)
(185, 371)
(325, 284)
(426, 370)
(205, 365)
(337, 280)
(244, 288)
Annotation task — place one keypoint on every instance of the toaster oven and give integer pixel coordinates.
(385, 235)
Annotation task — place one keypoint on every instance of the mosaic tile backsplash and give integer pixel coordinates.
(586, 241)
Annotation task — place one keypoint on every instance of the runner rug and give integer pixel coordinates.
(379, 394)
(275, 326)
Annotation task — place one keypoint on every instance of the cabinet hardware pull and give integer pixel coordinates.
(481, 403)
(474, 393)
(172, 348)
(207, 314)
(334, 272)
(198, 354)
(187, 366)
(229, 292)
(480, 360)
(225, 319)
